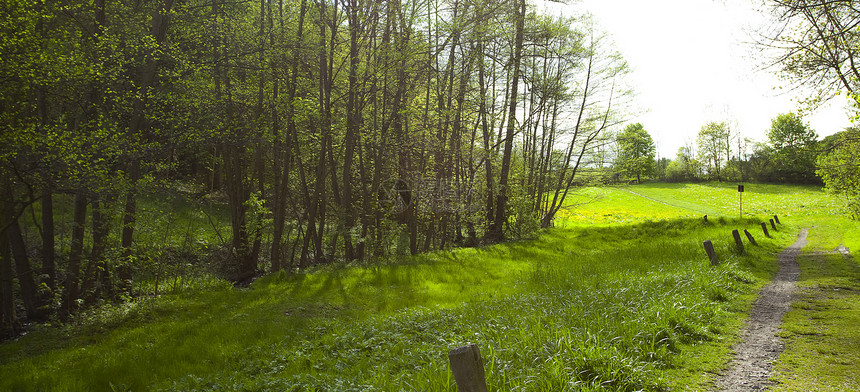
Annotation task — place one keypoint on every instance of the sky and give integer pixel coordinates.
(693, 61)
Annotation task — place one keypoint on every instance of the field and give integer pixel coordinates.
(618, 296)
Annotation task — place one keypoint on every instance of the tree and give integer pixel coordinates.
(818, 45)
(684, 167)
(636, 151)
(839, 168)
(787, 131)
(714, 145)
(793, 152)
(496, 230)
(596, 97)
(480, 114)
(660, 167)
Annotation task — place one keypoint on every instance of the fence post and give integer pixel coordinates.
(750, 237)
(764, 229)
(776, 218)
(712, 254)
(705, 219)
(772, 224)
(468, 368)
(738, 242)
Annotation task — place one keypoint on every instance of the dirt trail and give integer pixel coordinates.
(760, 347)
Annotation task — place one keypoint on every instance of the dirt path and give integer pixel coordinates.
(649, 198)
(760, 347)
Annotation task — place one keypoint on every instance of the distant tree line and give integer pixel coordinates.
(792, 154)
(814, 44)
(327, 130)
(722, 154)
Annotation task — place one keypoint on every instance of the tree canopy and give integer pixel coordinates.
(685, 166)
(839, 168)
(636, 151)
(714, 140)
(817, 45)
(323, 131)
(793, 149)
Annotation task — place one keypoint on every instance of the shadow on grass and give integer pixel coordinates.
(222, 331)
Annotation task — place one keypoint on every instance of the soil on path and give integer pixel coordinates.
(760, 346)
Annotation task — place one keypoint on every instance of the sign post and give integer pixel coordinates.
(741, 200)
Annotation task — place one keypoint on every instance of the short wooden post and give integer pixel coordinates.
(738, 241)
(776, 218)
(468, 368)
(772, 224)
(764, 229)
(750, 237)
(712, 254)
(706, 219)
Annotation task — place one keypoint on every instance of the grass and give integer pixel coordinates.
(164, 215)
(187, 231)
(821, 334)
(620, 297)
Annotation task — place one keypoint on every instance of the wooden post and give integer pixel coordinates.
(706, 219)
(741, 201)
(738, 242)
(750, 237)
(772, 224)
(764, 229)
(468, 368)
(776, 218)
(712, 254)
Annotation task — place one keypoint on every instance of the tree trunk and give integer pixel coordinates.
(48, 244)
(9, 325)
(238, 193)
(128, 223)
(8, 320)
(138, 127)
(101, 229)
(49, 268)
(496, 232)
(352, 128)
(71, 289)
(282, 149)
(24, 272)
(485, 129)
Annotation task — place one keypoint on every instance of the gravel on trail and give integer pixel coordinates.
(760, 346)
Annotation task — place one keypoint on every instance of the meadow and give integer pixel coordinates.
(619, 296)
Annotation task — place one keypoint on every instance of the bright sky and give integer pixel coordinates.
(693, 62)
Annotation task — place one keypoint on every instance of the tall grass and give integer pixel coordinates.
(620, 297)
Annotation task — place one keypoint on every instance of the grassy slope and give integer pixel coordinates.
(821, 334)
(618, 297)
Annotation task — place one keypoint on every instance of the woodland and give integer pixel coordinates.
(296, 133)
(327, 130)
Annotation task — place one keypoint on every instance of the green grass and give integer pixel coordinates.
(821, 331)
(620, 297)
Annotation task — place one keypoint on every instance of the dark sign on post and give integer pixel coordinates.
(741, 201)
